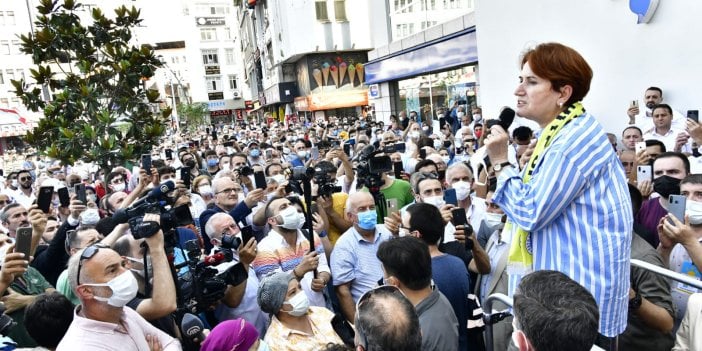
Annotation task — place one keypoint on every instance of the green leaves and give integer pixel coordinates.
(99, 83)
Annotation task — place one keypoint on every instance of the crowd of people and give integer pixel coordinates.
(353, 234)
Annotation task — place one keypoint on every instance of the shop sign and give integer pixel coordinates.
(212, 69)
(210, 21)
(249, 105)
(215, 96)
(216, 113)
(239, 115)
(373, 91)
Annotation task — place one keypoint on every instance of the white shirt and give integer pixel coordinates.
(644, 120)
(681, 262)
(668, 139)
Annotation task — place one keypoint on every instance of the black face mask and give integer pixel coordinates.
(190, 163)
(442, 174)
(666, 186)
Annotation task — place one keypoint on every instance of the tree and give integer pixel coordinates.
(100, 111)
(194, 115)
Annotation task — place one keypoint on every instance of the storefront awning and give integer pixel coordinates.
(452, 51)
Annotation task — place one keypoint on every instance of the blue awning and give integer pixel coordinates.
(458, 49)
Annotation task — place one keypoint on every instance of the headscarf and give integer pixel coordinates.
(231, 335)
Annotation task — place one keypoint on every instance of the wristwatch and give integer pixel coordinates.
(635, 303)
(498, 167)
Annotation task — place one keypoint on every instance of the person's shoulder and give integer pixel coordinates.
(449, 261)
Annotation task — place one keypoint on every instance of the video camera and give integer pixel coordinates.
(326, 185)
(203, 285)
(371, 166)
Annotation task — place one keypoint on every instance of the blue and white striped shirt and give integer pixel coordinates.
(578, 211)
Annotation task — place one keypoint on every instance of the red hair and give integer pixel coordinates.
(562, 66)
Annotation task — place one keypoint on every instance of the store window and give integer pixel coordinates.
(320, 8)
(214, 83)
(208, 34)
(432, 91)
(209, 57)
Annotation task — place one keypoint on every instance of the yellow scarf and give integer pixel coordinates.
(520, 256)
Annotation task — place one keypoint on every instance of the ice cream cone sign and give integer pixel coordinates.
(352, 75)
(335, 75)
(359, 73)
(317, 74)
(325, 72)
(342, 73)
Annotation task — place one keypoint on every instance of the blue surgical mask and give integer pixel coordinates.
(212, 162)
(255, 153)
(367, 219)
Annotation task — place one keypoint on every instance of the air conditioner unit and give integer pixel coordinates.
(237, 94)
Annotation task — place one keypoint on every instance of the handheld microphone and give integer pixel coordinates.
(192, 327)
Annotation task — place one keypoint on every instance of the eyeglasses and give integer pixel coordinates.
(228, 191)
(377, 291)
(87, 254)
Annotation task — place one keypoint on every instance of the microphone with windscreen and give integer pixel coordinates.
(504, 120)
(192, 327)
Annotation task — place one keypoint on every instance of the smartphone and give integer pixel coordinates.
(694, 115)
(644, 172)
(146, 162)
(269, 154)
(80, 193)
(23, 241)
(458, 216)
(397, 167)
(314, 153)
(677, 207)
(400, 147)
(634, 103)
(169, 154)
(447, 143)
(44, 198)
(641, 145)
(351, 141)
(260, 180)
(64, 198)
(450, 197)
(423, 153)
(185, 176)
(392, 206)
(246, 234)
(2, 172)
(228, 144)
(347, 149)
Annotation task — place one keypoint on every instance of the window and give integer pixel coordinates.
(340, 10)
(320, 7)
(209, 57)
(2, 18)
(4, 47)
(213, 83)
(219, 10)
(16, 47)
(10, 18)
(2, 78)
(20, 74)
(232, 81)
(10, 75)
(229, 56)
(15, 103)
(411, 28)
(4, 102)
(227, 33)
(208, 34)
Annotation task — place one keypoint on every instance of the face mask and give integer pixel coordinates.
(666, 186)
(190, 163)
(302, 154)
(425, 129)
(92, 198)
(255, 153)
(493, 220)
(477, 117)
(437, 201)
(414, 134)
(299, 303)
(14, 183)
(460, 114)
(442, 174)
(446, 159)
(205, 190)
(693, 209)
(124, 288)
(438, 144)
(279, 178)
(212, 162)
(367, 219)
(478, 134)
(291, 220)
(462, 189)
(262, 346)
(118, 187)
(440, 115)
(90, 217)
(155, 158)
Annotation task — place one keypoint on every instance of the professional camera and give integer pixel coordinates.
(170, 219)
(204, 285)
(296, 176)
(326, 185)
(245, 171)
(371, 166)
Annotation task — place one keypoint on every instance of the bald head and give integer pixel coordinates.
(359, 202)
(386, 320)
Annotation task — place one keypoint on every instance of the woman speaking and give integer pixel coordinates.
(569, 209)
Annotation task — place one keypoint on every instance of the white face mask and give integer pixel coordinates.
(494, 220)
(477, 117)
(279, 178)
(460, 114)
(437, 201)
(205, 190)
(462, 189)
(438, 144)
(300, 304)
(414, 134)
(302, 154)
(291, 219)
(124, 288)
(118, 187)
(14, 183)
(693, 209)
(90, 216)
(446, 159)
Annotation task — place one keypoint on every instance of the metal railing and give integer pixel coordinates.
(487, 305)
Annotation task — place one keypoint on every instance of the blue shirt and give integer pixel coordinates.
(354, 260)
(578, 212)
(451, 277)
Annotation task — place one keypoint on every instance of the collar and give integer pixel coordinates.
(279, 238)
(98, 326)
(654, 132)
(287, 332)
(360, 238)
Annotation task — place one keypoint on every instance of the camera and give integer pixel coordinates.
(371, 166)
(245, 171)
(170, 219)
(297, 175)
(327, 185)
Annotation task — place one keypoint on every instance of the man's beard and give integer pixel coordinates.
(650, 105)
(26, 186)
